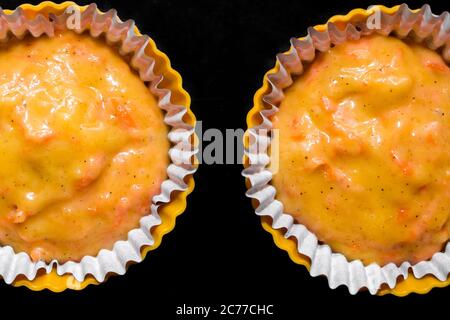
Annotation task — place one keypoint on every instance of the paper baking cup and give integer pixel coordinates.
(302, 245)
(154, 69)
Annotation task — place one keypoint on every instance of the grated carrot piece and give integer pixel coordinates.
(405, 166)
(436, 66)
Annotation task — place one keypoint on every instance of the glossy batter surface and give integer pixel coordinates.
(364, 150)
(83, 147)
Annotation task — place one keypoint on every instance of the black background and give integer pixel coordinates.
(218, 252)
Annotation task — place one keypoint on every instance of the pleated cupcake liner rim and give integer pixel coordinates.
(181, 153)
(420, 25)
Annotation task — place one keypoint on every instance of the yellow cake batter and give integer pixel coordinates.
(365, 150)
(83, 147)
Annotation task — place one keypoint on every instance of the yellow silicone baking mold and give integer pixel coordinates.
(168, 212)
(403, 286)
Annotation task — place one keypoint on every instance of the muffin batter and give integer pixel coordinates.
(83, 147)
(364, 150)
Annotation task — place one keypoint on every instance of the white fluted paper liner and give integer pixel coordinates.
(422, 26)
(181, 154)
